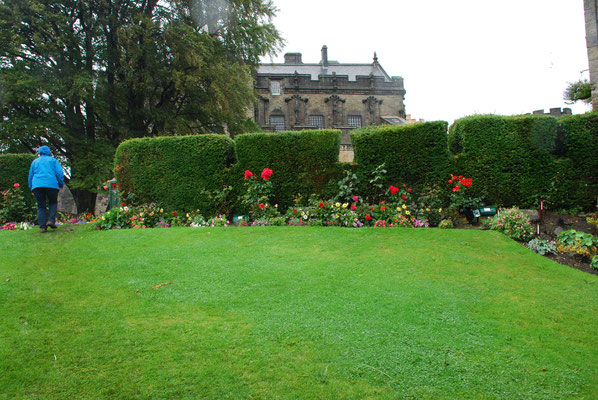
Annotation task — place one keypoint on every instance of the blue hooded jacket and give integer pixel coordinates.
(45, 171)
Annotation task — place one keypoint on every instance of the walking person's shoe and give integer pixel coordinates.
(43, 230)
(52, 225)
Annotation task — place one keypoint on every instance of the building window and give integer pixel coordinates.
(278, 122)
(317, 121)
(275, 88)
(354, 121)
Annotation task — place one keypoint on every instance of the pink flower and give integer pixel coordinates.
(248, 174)
(355, 198)
(105, 187)
(16, 185)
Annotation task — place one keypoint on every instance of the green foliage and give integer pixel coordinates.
(304, 162)
(175, 172)
(577, 242)
(542, 247)
(580, 90)
(513, 223)
(594, 263)
(14, 168)
(413, 154)
(446, 224)
(509, 158)
(14, 207)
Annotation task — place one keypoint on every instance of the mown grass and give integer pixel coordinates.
(291, 313)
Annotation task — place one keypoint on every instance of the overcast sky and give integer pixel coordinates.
(457, 57)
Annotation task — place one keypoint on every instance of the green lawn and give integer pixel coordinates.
(291, 313)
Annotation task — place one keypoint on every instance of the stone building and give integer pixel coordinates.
(328, 94)
(591, 18)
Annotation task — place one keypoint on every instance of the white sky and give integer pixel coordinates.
(458, 57)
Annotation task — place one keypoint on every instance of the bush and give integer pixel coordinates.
(542, 247)
(414, 154)
(513, 223)
(510, 157)
(14, 168)
(572, 241)
(446, 224)
(180, 173)
(304, 163)
(14, 207)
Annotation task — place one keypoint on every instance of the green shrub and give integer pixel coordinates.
(415, 154)
(303, 163)
(542, 247)
(179, 173)
(13, 205)
(513, 223)
(509, 158)
(577, 242)
(14, 168)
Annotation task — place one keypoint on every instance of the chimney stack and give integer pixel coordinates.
(324, 56)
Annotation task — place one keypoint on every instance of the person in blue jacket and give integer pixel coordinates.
(46, 179)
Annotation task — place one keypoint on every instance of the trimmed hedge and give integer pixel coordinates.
(14, 168)
(518, 160)
(415, 154)
(175, 171)
(304, 162)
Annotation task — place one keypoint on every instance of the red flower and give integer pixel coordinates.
(353, 207)
(174, 213)
(466, 182)
(266, 173)
(450, 181)
(262, 206)
(382, 208)
(456, 188)
(404, 197)
(123, 203)
(393, 189)
(460, 177)
(453, 177)
(371, 208)
(404, 185)
(16, 185)
(321, 204)
(294, 210)
(368, 217)
(248, 174)
(409, 190)
(114, 186)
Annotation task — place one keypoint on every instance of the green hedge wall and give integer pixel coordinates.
(579, 176)
(304, 162)
(413, 154)
(175, 171)
(14, 168)
(519, 160)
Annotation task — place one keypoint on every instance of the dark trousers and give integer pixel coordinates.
(43, 215)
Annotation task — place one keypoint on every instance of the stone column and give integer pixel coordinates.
(591, 14)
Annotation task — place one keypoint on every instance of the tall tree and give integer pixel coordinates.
(83, 75)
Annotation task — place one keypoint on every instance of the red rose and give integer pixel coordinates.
(266, 173)
(383, 208)
(368, 217)
(450, 181)
(404, 185)
(409, 190)
(460, 177)
(123, 203)
(16, 185)
(453, 177)
(321, 204)
(174, 213)
(262, 206)
(114, 186)
(353, 207)
(294, 210)
(404, 197)
(248, 174)
(393, 189)
(371, 208)
(456, 188)
(466, 182)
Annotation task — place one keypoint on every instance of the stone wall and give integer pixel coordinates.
(591, 17)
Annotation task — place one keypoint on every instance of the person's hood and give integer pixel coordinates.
(44, 151)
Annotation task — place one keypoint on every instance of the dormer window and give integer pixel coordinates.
(275, 88)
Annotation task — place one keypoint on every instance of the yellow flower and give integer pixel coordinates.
(151, 214)
(276, 205)
(427, 209)
(408, 212)
(338, 204)
(187, 215)
(141, 214)
(103, 218)
(345, 205)
(399, 209)
(404, 207)
(336, 215)
(440, 210)
(161, 210)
